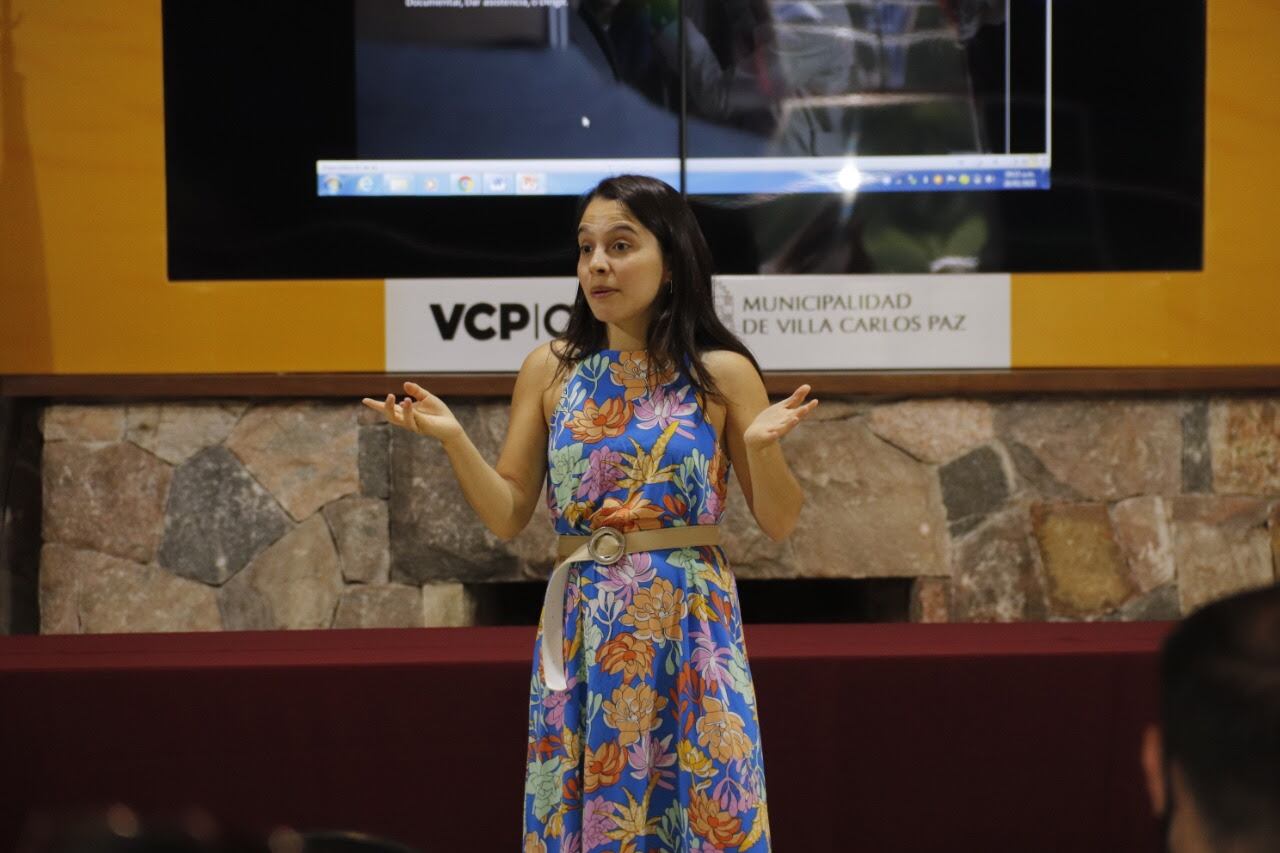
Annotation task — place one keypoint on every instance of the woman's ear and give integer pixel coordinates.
(1153, 768)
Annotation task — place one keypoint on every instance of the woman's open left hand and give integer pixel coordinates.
(779, 419)
(421, 412)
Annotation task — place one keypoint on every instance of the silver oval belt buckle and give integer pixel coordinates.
(607, 546)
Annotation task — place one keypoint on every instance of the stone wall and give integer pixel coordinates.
(231, 515)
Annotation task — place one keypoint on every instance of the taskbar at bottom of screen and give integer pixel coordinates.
(566, 183)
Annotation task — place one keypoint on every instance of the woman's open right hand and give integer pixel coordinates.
(421, 412)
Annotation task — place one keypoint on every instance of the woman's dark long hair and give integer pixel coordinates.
(684, 323)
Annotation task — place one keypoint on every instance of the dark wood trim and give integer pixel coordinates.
(868, 383)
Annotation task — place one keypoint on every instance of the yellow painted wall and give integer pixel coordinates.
(82, 218)
(83, 287)
(1227, 315)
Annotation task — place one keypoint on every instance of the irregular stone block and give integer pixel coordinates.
(1143, 529)
(1221, 545)
(1244, 435)
(870, 511)
(109, 499)
(375, 461)
(243, 609)
(837, 409)
(1035, 478)
(1085, 569)
(304, 453)
(1197, 463)
(931, 600)
(996, 576)
(1237, 512)
(359, 527)
(218, 518)
(1104, 450)
(535, 547)
(750, 553)
(934, 430)
(973, 486)
(295, 583)
(447, 605)
(85, 592)
(435, 535)
(382, 606)
(59, 589)
(1159, 605)
(90, 424)
(177, 431)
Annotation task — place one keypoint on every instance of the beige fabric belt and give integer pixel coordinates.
(605, 546)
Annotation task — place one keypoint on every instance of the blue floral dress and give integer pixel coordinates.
(655, 743)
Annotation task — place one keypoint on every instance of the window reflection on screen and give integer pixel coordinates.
(547, 96)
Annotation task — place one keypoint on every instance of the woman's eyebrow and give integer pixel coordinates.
(617, 226)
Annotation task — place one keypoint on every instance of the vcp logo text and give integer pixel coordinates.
(483, 321)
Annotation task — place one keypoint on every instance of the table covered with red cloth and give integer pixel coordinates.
(877, 737)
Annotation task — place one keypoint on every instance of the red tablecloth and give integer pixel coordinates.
(877, 737)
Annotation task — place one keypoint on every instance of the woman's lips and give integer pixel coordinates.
(601, 292)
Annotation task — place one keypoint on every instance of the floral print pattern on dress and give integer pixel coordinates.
(655, 744)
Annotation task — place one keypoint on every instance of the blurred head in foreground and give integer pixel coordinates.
(1213, 764)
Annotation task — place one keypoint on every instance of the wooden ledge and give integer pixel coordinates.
(855, 383)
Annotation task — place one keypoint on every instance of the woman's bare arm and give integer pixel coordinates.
(503, 495)
(753, 430)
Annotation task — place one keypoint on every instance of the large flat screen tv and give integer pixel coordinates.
(453, 138)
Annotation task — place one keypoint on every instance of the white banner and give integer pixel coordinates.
(472, 325)
(802, 322)
(869, 322)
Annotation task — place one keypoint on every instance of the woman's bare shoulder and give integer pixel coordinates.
(545, 359)
(544, 368)
(730, 370)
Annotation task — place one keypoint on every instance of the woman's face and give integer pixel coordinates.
(620, 264)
